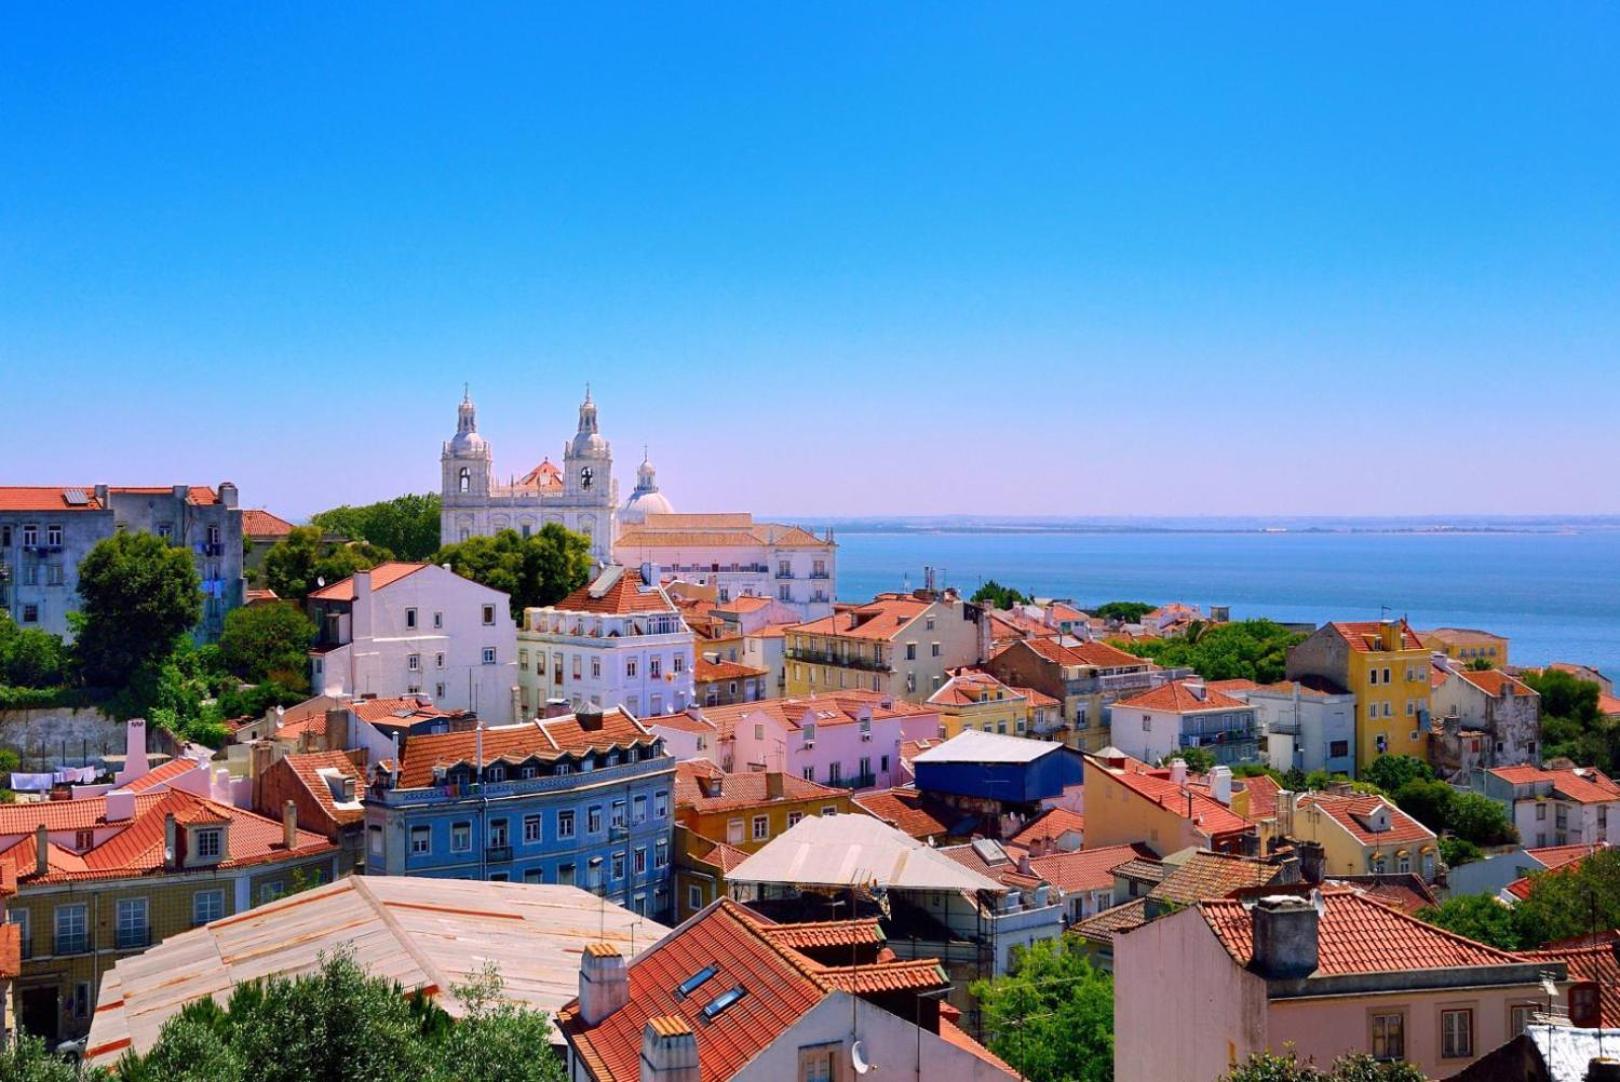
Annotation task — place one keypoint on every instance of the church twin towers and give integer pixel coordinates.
(581, 494)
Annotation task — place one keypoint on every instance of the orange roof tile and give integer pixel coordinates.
(909, 812)
(1363, 636)
(257, 522)
(1590, 961)
(834, 708)
(1353, 813)
(1086, 869)
(1213, 875)
(705, 671)
(1181, 697)
(47, 498)
(1209, 815)
(704, 787)
(1262, 790)
(159, 777)
(1100, 655)
(545, 741)
(312, 768)
(625, 594)
(1049, 826)
(1119, 919)
(882, 618)
(1493, 681)
(383, 575)
(201, 495)
(1581, 784)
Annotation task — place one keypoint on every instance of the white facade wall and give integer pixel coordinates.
(1582, 824)
(803, 579)
(611, 663)
(1301, 730)
(461, 660)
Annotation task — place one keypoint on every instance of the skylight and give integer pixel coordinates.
(720, 1002)
(695, 981)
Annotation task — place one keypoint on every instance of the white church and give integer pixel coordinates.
(580, 495)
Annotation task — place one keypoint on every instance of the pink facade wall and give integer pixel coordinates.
(779, 748)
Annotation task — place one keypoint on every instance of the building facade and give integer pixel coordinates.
(1307, 724)
(416, 629)
(45, 532)
(580, 495)
(903, 645)
(1386, 667)
(738, 557)
(1086, 678)
(1158, 725)
(1482, 718)
(1573, 806)
(584, 800)
(1466, 644)
(615, 642)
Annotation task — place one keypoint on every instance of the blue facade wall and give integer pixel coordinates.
(1013, 783)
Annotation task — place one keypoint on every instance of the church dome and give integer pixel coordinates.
(467, 443)
(646, 499)
(588, 442)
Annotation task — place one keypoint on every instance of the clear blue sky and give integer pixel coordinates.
(1053, 259)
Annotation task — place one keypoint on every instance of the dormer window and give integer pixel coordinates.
(208, 842)
(809, 729)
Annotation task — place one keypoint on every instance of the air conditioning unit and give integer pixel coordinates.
(866, 736)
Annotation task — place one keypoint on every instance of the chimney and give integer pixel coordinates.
(985, 633)
(171, 843)
(337, 729)
(1220, 784)
(1196, 689)
(135, 763)
(42, 850)
(1285, 927)
(589, 716)
(1285, 813)
(1178, 770)
(289, 825)
(773, 785)
(227, 493)
(120, 805)
(1312, 861)
(669, 1051)
(604, 982)
(1603, 1069)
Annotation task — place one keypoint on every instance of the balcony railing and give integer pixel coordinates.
(858, 781)
(842, 661)
(523, 786)
(498, 854)
(820, 575)
(785, 573)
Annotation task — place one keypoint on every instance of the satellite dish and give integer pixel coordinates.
(1548, 987)
(857, 1056)
(320, 580)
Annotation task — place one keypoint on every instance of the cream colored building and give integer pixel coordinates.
(904, 645)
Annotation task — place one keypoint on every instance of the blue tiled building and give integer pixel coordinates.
(586, 799)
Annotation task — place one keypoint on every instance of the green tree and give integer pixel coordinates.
(1428, 801)
(1572, 726)
(1356, 1067)
(1126, 612)
(1052, 1017)
(1480, 664)
(1458, 851)
(267, 641)
(26, 1059)
(1477, 818)
(299, 563)
(407, 526)
(1574, 900)
(997, 596)
(1198, 760)
(1391, 772)
(540, 569)
(137, 594)
(1479, 917)
(1243, 650)
(30, 658)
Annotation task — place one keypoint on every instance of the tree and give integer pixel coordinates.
(997, 596)
(1479, 917)
(1391, 772)
(267, 641)
(1573, 900)
(1572, 726)
(1480, 664)
(1428, 801)
(1457, 851)
(137, 594)
(1198, 760)
(299, 563)
(540, 569)
(1243, 650)
(1356, 1067)
(30, 658)
(1126, 612)
(26, 1059)
(1052, 1017)
(407, 526)
(1477, 818)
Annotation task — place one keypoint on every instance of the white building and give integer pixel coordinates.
(1573, 806)
(581, 494)
(1156, 725)
(1308, 724)
(415, 629)
(738, 556)
(614, 642)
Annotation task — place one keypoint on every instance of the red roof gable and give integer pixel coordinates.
(625, 594)
(384, 574)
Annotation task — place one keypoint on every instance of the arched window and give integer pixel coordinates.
(465, 479)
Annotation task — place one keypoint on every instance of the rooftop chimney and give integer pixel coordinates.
(1285, 928)
(42, 850)
(1220, 784)
(669, 1051)
(134, 752)
(171, 842)
(289, 825)
(773, 785)
(120, 805)
(337, 728)
(1178, 770)
(589, 716)
(1196, 689)
(1312, 862)
(604, 982)
(1603, 1069)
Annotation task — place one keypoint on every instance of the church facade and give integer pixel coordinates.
(581, 494)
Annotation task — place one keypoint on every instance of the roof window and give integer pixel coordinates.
(722, 1001)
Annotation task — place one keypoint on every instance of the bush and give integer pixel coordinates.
(1458, 851)
(267, 641)
(1391, 772)
(1479, 819)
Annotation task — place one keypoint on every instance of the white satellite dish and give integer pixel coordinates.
(857, 1056)
(1549, 988)
(320, 580)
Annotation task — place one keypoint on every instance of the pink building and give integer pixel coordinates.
(1329, 973)
(849, 739)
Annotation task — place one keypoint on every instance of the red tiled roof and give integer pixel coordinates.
(257, 522)
(1590, 961)
(1493, 681)
(1608, 705)
(968, 687)
(159, 777)
(384, 574)
(1086, 869)
(1099, 655)
(1229, 686)
(1103, 927)
(834, 708)
(1350, 812)
(883, 618)
(1035, 698)
(824, 934)
(1179, 697)
(1050, 825)
(705, 671)
(1552, 858)
(1581, 784)
(1363, 636)
(1213, 875)
(716, 854)
(1262, 790)
(1004, 872)
(47, 498)
(200, 495)
(399, 710)
(1359, 935)
(1208, 814)
(546, 741)
(308, 769)
(1405, 891)
(696, 781)
(626, 594)
(908, 811)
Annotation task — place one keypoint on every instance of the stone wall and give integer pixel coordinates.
(50, 737)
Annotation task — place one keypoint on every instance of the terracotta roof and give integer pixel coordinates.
(1582, 784)
(685, 723)
(1208, 814)
(1035, 698)
(821, 935)
(1353, 812)
(781, 986)
(1099, 655)
(1213, 875)
(546, 741)
(1461, 635)
(1403, 890)
(1003, 869)
(384, 574)
(200, 495)
(1226, 687)
(47, 498)
(880, 619)
(1086, 869)
(717, 855)
(259, 596)
(1049, 826)
(1103, 927)
(399, 710)
(257, 522)
(1144, 870)
(1608, 705)
(714, 531)
(1552, 858)
(1180, 697)
(909, 812)
(833, 708)
(312, 770)
(704, 787)
(705, 671)
(1363, 636)
(1493, 681)
(624, 593)
(969, 687)
(1591, 961)
(1262, 790)
(1309, 687)
(159, 777)
(1359, 935)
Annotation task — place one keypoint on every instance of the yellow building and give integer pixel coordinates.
(1386, 667)
(903, 645)
(1360, 835)
(970, 699)
(1466, 644)
(1129, 802)
(724, 817)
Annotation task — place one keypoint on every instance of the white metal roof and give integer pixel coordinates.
(972, 746)
(845, 850)
(419, 932)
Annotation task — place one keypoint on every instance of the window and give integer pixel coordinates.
(463, 480)
(438, 620)
(694, 897)
(911, 651)
(630, 668)
(565, 826)
(531, 828)
(809, 773)
(762, 827)
(618, 865)
(1541, 812)
(72, 932)
(461, 837)
(593, 819)
(835, 773)
(661, 853)
(655, 668)
(816, 1063)
(784, 592)
(1389, 1036)
(414, 662)
(1457, 1034)
(210, 843)
(489, 615)
(933, 649)
(865, 767)
(269, 892)
(734, 832)
(54, 575)
(1584, 1005)
(793, 818)
(410, 618)
(421, 840)
(565, 874)
(25, 937)
(617, 818)
(30, 534)
(489, 655)
(534, 875)
(1147, 723)
(1338, 749)
(497, 833)
(596, 668)
(638, 809)
(639, 863)
(523, 660)
(133, 930)
(438, 660)
(30, 614)
(1519, 1015)
(660, 804)
(830, 809)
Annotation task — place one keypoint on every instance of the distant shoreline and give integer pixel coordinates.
(1235, 525)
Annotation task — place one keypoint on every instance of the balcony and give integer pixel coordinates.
(785, 573)
(498, 854)
(858, 781)
(436, 794)
(826, 657)
(820, 575)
